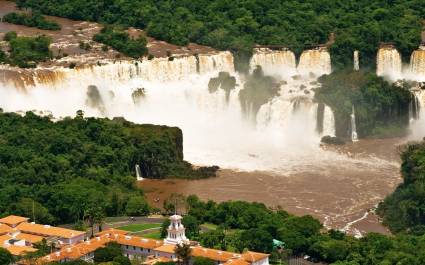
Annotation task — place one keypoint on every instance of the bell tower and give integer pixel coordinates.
(176, 231)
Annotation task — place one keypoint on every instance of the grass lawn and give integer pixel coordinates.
(138, 227)
(153, 235)
(210, 226)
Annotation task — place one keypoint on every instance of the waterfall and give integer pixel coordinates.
(139, 176)
(414, 108)
(175, 93)
(354, 137)
(417, 64)
(274, 62)
(356, 61)
(316, 61)
(388, 62)
(216, 62)
(157, 69)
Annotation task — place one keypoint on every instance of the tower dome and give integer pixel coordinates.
(176, 231)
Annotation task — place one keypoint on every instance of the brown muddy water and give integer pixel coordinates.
(341, 196)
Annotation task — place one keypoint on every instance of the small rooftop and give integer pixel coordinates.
(4, 229)
(13, 220)
(252, 256)
(47, 230)
(20, 250)
(166, 249)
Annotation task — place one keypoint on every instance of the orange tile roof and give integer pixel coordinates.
(46, 230)
(213, 254)
(236, 262)
(4, 238)
(77, 251)
(251, 256)
(29, 238)
(20, 250)
(138, 241)
(13, 220)
(112, 231)
(4, 229)
(166, 249)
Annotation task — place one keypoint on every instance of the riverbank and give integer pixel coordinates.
(341, 194)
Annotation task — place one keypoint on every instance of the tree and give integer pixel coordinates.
(107, 253)
(137, 206)
(202, 261)
(29, 207)
(121, 260)
(192, 226)
(183, 252)
(257, 240)
(6, 257)
(164, 227)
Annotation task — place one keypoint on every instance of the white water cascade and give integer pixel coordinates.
(139, 176)
(417, 64)
(222, 61)
(356, 63)
(315, 61)
(274, 62)
(388, 62)
(354, 137)
(175, 94)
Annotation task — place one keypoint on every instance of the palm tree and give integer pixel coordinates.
(183, 252)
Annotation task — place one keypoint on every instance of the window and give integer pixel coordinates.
(134, 248)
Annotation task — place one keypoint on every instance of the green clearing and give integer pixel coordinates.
(209, 226)
(153, 235)
(139, 227)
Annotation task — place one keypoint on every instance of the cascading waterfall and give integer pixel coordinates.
(414, 108)
(354, 137)
(316, 61)
(417, 64)
(274, 62)
(175, 92)
(416, 115)
(221, 62)
(388, 62)
(139, 176)
(356, 62)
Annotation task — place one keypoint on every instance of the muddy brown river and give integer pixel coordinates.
(341, 195)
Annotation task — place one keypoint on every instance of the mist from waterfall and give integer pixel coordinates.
(283, 138)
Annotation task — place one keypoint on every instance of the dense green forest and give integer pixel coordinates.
(75, 166)
(238, 24)
(26, 51)
(404, 210)
(244, 225)
(381, 108)
(121, 41)
(35, 19)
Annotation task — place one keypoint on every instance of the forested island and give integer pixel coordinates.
(382, 108)
(83, 164)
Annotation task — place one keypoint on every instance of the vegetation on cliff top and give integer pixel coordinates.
(26, 51)
(34, 19)
(243, 225)
(404, 210)
(237, 25)
(381, 108)
(76, 165)
(122, 42)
